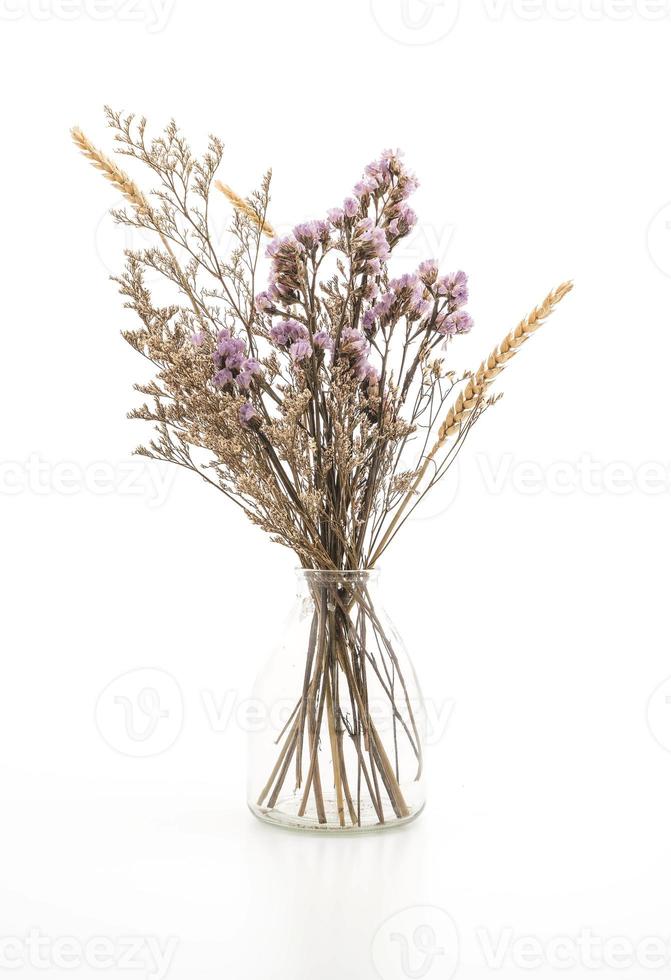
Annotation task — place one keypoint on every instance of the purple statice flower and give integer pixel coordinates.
(379, 173)
(288, 261)
(408, 184)
(453, 323)
(247, 413)
(389, 154)
(300, 350)
(455, 287)
(235, 361)
(371, 290)
(460, 289)
(287, 332)
(419, 308)
(353, 343)
(197, 338)
(380, 168)
(280, 292)
(263, 303)
(365, 371)
(369, 319)
(371, 242)
(248, 368)
(365, 187)
(407, 281)
(281, 246)
(322, 340)
(351, 207)
(384, 304)
(374, 267)
(312, 233)
(336, 216)
(228, 345)
(428, 271)
(231, 364)
(402, 221)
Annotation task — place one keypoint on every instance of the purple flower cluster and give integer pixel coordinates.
(423, 296)
(288, 256)
(370, 245)
(247, 414)
(295, 337)
(355, 347)
(371, 239)
(406, 296)
(453, 319)
(458, 322)
(292, 335)
(231, 364)
(311, 234)
(454, 286)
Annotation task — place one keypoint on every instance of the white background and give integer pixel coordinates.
(533, 595)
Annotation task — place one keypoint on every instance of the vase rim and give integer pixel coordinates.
(337, 575)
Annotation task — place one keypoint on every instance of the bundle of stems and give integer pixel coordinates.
(321, 405)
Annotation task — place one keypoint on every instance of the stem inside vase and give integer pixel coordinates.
(353, 743)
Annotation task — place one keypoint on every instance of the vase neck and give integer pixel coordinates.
(337, 579)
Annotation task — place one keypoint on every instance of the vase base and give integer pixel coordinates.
(277, 817)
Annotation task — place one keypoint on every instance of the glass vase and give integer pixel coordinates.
(340, 745)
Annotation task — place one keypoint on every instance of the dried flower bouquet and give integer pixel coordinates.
(322, 406)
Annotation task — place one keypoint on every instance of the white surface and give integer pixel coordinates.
(542, 143)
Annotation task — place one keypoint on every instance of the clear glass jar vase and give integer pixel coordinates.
(340, 747)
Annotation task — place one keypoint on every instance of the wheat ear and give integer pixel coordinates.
(479, 382)
(109, 169)
(132, 193)
(473, 394)
(240, 204)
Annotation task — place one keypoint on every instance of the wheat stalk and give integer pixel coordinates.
(240, 204)
(109, 169)
(473, 394)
